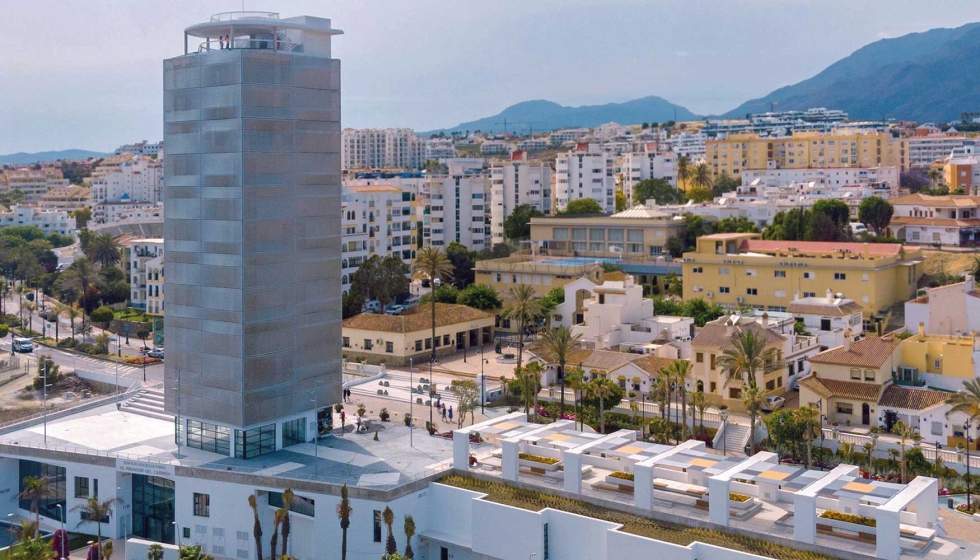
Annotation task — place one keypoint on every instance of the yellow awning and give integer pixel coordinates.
(622, 378)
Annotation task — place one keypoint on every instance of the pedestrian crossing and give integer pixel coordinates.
(97, 365)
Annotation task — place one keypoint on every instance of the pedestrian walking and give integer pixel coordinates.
(443, 410)
(221, 42)
(228, 41)
(450, 413)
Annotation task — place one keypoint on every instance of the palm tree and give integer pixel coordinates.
(107, 550)
(287, 504)
(576, 382)
(104, 250)
(30, 307)
(95, 511)
(701, 176)
(746, 356)
(388, 517)
(193, 553)
(600, 389)
(905, 434)
(277, 518)
(430, 264)
(683, 171)
(155, 552)
(680, 372)
(966, 400)
(343, 513)
(80, 276)
(36, 489)
(806, 415)
(936, 176)
(873, 433)
(869, 448)
(256, 526)
(752, 398)
(60, 310)
(72, 312)
(532, 376)
(701, 405)
(524, 308)
(409, 533)
(559, 343)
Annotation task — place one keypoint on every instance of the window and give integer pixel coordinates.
(367, 344)
(697, 269)
(300, 505)
(750, 272)
(751, 291)
(845, 408)
(346, 342)
(294, 432)
(81, 487)
(779, 274)
(856, 374)
(418, 345)
(723, 271)
(809, 294)
(712, 361)
(377, 526)
(770, 385)
(869, 375)
(780, 294)
(840, 276)
(699, 357)
(202, 505)
(713, 387)
(734, 393)
(255, 442)
(724, 290)
(208, 437)
(389, 347)
(57, 481)
(864, 277)
(808, 276)
(445, 340)
(597, 234)
(937, 428)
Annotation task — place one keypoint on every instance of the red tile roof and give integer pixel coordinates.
(868, 352)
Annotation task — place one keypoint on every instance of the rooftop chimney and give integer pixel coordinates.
(847, 340)
(796, 295)
(922, 331)
(830, 295)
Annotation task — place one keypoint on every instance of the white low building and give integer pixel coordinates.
(952, 310)
(928, 220)
(830, 318)
(48, 219)
(825, 176)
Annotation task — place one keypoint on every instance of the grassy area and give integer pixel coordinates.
(633, 524)
(130, 314)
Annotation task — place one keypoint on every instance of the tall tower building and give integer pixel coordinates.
(252, 231)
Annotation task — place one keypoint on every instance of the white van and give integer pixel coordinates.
(857, 227)
(23, 345)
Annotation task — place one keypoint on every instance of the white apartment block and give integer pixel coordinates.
(49, 220)
(930, 145)
(648, 164)
(138, 180)
(387, 148)
(384, 213)
(533, 144)
(439, 149)
(585, 172)
(517, 181)
(559, 137)
(455, 208)
(146, 275)
(490, 147)
(34, 183)
(690, 144)
(610, 130)
(143, 148)
(825, 176)
(127, 212)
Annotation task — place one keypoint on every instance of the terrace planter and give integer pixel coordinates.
(861, 530)
(539, 467)
(623, 483)
(742, 506)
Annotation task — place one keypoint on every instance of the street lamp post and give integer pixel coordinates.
(968, 441)
(937, 459)
(483, 380)
(643, 413)
(64, 535)
(411, 402)
(44, 399)
(724, 419)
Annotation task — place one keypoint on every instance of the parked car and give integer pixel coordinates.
(795, 384)
(394, 310)
(773, 403)
(23, 345)
(156, 353)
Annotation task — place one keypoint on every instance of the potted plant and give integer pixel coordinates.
(408, 419)
(384, 415)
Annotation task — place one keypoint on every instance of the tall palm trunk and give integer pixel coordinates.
(602, 416)
(561, 386)
(683, 414)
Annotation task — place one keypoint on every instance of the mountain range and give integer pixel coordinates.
(21, 158)
(932, 76)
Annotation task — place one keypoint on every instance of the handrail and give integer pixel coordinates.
(232, 16)
(279, 45)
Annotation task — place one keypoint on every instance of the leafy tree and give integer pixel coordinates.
(34, 489)
(480, 296)
(663, 306)
(875, 213)
(694, 227)
(556, 297)
(621, 201)
(53, 373)
(194, 552)
(382, 279)
(660, 190)
(724, 183)
(581, 206)
(95, 511)
(103, 315)
(462, 260)
(915, 179)
(675, 246)
(702, 311)
(701, 176)
(76, 282)
(789, 225)
(352, 302)
(82, 216)
(700, 194)
(33, 548)
(559, 343)
(673, 284)
(155, 552)
(740, 224)
(829, 221)
(467, 394)
(518, 224)
(446, 293)
(4, 331)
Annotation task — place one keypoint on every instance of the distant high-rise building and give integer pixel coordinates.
(585, 172)
(397, 148)
(252, 232)
(517, 181)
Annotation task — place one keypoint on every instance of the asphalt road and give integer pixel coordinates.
(70, 361)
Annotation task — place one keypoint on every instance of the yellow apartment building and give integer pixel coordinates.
(843, 148)
(937, 361)
(741, 270)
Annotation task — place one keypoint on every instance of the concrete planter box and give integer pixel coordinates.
(539, 467)
(846, 526)
(741, 505)
(621, 482)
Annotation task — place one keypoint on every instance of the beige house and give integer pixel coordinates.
(711, 342)
(638, 233)
(394, 339)
(847, 382)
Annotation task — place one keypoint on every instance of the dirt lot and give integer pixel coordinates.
(18, 400)
(937, 262)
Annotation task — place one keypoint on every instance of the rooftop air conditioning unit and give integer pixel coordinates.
(738, 299)
(711, 294)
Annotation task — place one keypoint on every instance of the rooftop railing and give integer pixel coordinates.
(278, 45)
(232, 16)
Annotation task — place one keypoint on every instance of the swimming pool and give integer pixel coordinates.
(7, 535)
(576, 261)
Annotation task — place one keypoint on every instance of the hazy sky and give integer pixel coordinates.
(87, 73)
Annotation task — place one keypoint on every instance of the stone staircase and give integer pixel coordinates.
(736, 437)
(148, 402)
